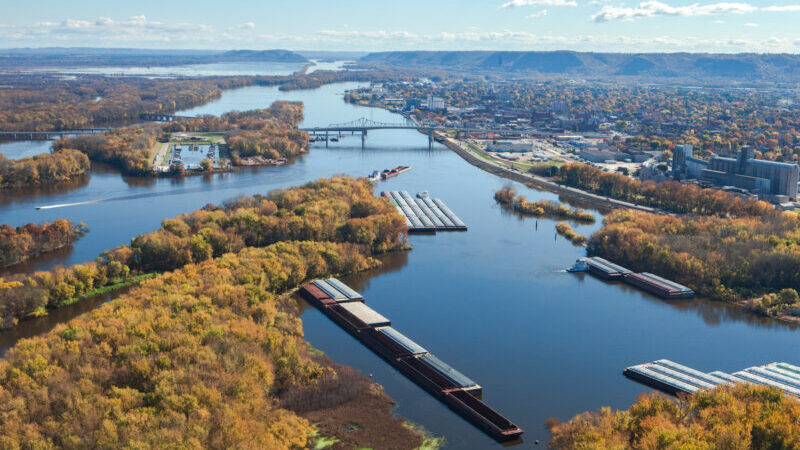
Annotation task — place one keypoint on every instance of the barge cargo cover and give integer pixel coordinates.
(424, 215)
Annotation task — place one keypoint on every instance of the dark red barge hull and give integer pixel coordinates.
(464, 402)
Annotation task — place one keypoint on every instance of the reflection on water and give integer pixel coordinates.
(494, 301)
(40, 325)
(29, 195)
(55, 257)
(24, 149)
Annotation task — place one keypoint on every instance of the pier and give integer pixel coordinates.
(676, 379)
(348, 309)
(424, 214)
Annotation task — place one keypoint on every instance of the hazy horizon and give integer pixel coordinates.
(513, 25)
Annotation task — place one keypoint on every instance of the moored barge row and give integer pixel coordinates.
(646, 281)
(673, 378)
(347, 308)
(659, 286)
(424, 214)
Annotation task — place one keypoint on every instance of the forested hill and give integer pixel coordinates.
(97, 57)
(701, 66)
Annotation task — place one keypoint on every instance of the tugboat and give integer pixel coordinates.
(374, 176)
(423, 194)
(579, 266)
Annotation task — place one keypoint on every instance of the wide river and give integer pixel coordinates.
(493, 302)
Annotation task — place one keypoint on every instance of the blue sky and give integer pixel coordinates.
(594, 25)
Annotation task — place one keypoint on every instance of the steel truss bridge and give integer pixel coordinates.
(364, 125)
(47, 135)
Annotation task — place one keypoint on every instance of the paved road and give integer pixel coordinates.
(161, 155)
(524, 176)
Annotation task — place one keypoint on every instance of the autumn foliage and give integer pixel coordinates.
(18, 244)
(269, 132)
(340, 210)
(743, 416)
(571, 235)
(53, 102)
(542, 208)
(197, 356)
(669, 196)
(719, 257)
(47, 168)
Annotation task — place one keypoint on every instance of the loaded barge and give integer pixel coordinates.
(348, 309)
(646, 281)
(675, 379)
(389, 173)
(424, 214)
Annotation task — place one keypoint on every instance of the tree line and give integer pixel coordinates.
(335, 210)
(51, 102)
(739, 416)
(199, 355)
(127, 149)
(269, 132)
(60, 166)
(210, 353)
(669, 196)
(509, 199)
(726, 258)
(18, 244)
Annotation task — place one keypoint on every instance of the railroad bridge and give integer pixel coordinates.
(47, 135)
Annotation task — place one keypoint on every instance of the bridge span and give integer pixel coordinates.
(364, 125)
(47, 135)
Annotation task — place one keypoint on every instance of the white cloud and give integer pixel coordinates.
(656, 8)
(537, 14)
(782, 8)
(129, 31)
(518, 3)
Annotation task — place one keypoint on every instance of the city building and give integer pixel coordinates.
(435, 103)
(772, 181)
(684, 164)
(510, 146)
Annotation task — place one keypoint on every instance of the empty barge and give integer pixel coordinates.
(347, 308)
(673, 378)
(423, 214)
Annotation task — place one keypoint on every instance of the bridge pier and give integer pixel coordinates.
(430, 140)
(363, 139)
(326, 139)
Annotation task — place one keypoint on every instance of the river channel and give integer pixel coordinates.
(494, 302)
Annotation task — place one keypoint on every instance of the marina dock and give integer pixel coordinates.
(348, 309)
(645, 281)
(423, 214)
(674, 379)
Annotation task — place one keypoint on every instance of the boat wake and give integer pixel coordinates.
(64, 205)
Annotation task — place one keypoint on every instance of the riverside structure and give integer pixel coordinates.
(347, 308)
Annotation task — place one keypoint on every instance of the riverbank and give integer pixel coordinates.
(435, 291)
(485, 162)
